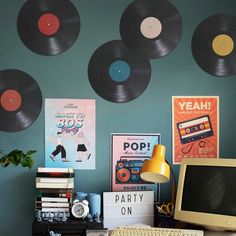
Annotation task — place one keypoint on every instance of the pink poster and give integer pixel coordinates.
(70, 133)
(195, 127)
(129, 151)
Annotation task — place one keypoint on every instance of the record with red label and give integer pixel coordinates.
(116, 74)
(213, 45)
(48, 27)
(20, 100)
(151, 28)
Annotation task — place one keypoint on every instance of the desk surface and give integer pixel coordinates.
(219, 233)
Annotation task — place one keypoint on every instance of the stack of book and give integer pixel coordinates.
(54, 190)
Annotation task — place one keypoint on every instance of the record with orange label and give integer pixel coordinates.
(151, 29)
(116, 74)
(48, 27)
(213, 45)
(20, 100)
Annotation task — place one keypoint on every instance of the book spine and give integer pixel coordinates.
(54, 180)
(54, 209)
(55, 185)
(52, 204)
(53, 199)
(55, 174)
(51, 169)
(64, 194)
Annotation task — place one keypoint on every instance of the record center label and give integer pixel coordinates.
(151, 27)
(48, 24)
(10, 100)
(119, 71)
(222, 44)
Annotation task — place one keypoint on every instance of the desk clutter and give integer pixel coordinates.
(54, 193)
(59, 210)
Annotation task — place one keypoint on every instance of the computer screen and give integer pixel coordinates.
(206, 193)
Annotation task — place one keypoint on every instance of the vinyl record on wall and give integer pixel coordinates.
(20, 100)
(48, 27)
(151, 29)
(116, 74)
(213, 45)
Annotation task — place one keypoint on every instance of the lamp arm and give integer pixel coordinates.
(174, 184)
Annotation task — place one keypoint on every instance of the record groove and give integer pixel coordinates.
(48, 27)
(213, 45)
(116, 74)
(151, 29)
(20, 100)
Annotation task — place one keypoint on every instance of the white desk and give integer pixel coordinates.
(219, 233)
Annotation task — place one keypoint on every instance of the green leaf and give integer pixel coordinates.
(30, 152)
(18, 157)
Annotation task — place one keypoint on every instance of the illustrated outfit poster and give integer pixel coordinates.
(195, 127)
(70, 133)
(129, 151)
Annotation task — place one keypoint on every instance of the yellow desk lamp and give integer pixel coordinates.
(157, 169)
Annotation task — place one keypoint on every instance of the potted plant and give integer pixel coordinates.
(17, 157)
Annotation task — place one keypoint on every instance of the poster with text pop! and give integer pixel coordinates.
(195, 127)
(129, 151)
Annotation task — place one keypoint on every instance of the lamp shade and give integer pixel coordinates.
(156, 170)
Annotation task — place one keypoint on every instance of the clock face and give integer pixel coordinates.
(79, 209)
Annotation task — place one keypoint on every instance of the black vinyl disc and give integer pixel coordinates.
(20, 100)
(48, 27)
(151, 29)
(116, 74)
(213, 45)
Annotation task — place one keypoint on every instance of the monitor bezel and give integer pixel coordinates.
(208, 220)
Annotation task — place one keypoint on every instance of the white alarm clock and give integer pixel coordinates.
(80, 209)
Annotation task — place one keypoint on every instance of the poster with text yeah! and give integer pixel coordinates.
(195, 127)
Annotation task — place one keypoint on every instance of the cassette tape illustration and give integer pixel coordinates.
(128, 170)
(195, 129)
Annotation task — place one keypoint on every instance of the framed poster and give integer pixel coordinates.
(128, 152)
(70, 133)
(195, 127)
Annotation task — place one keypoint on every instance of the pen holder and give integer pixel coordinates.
(162, 219)
(165, 221)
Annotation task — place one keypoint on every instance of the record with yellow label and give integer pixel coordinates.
(213, 45)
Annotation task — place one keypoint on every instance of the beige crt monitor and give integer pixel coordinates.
(206, 193)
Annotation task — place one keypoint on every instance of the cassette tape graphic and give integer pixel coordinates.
(128, 170)
(195, 129)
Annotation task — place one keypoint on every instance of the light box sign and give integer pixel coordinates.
(125, 208)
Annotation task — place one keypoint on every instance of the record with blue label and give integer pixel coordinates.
(48, 27)
(213, 45)
(116, 74)
(151, 28)
(20, 100)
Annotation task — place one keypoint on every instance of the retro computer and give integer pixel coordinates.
(206, 193)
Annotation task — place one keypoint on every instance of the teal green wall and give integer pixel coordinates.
(65, 76)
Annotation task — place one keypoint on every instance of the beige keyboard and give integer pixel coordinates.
(151, 231)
